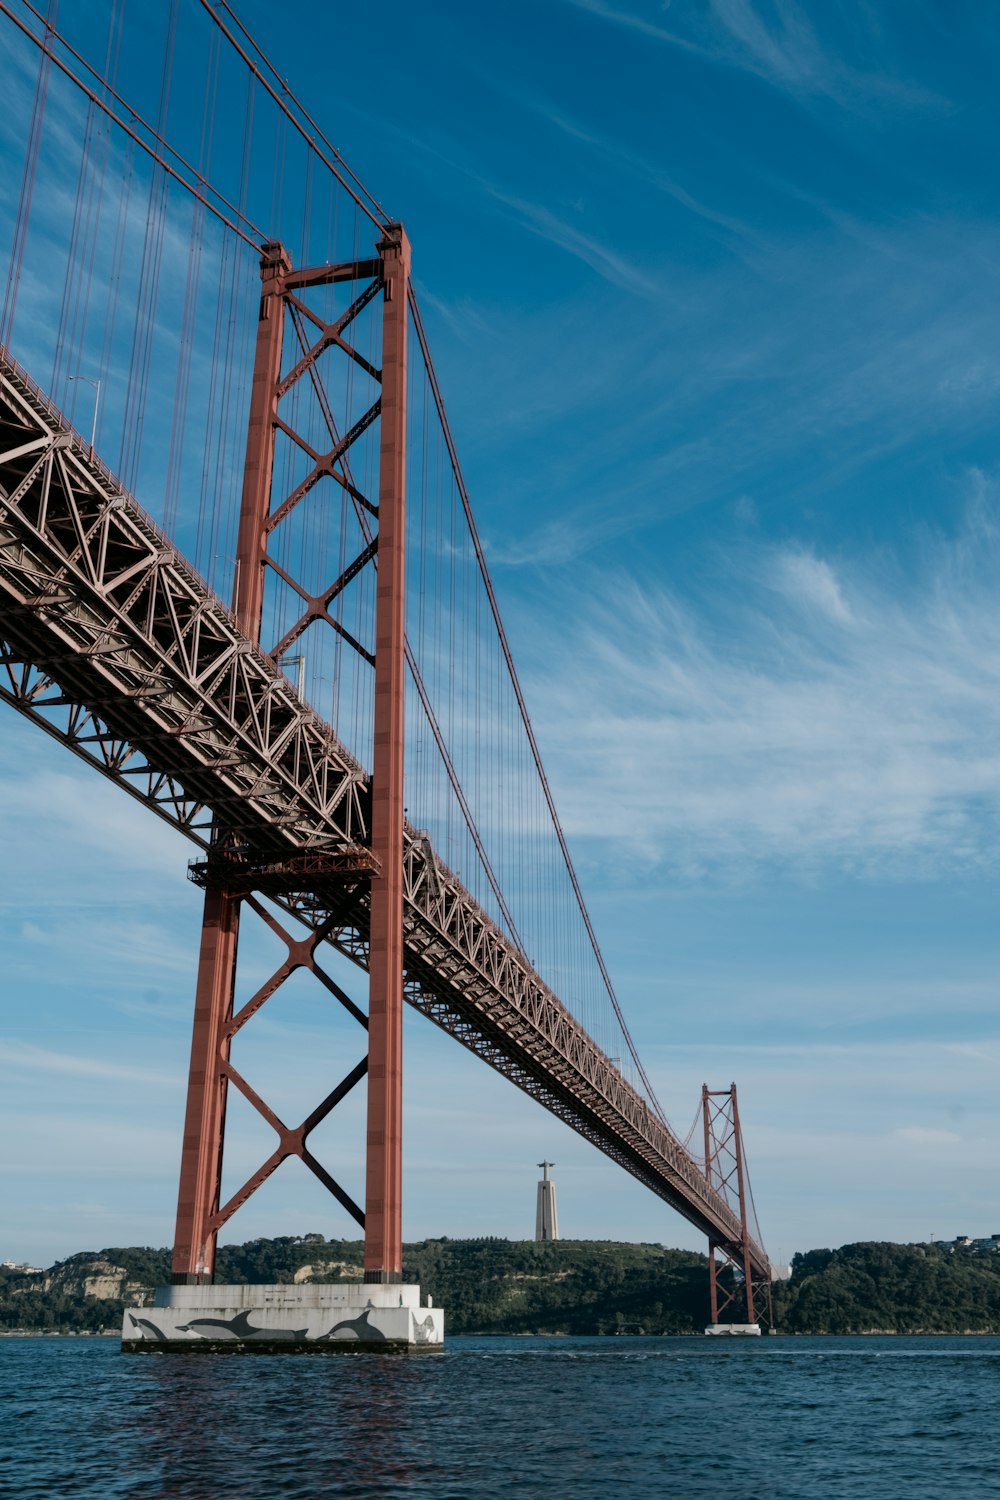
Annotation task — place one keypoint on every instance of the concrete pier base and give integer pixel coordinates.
(344, 1318)
(733, 1330)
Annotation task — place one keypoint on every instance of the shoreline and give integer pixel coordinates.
(867, 1333)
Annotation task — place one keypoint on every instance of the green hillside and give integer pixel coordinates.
(881, 1287)
(570, 1286)
(486, 1286)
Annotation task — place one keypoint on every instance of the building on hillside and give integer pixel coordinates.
(988, 1245)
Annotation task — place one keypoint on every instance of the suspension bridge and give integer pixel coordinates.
(216, 384)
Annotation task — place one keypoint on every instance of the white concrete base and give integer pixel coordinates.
(733, 1330)
(341, 1318)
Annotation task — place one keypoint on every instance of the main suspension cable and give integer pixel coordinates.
(378, 217)
(383, 218)
(250, 233)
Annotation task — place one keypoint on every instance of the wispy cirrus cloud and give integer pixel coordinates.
(537, 218)
(788, 382)
(556, 542)
(842, 713)
(780, 42)
(799, 575)
(630, 21)
(608, 262)
(25, 1057)
(76, 813)
(775, 40)
(624, 158)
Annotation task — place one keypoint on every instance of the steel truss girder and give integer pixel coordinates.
(95, 599)
(35, 695)
(115, 645)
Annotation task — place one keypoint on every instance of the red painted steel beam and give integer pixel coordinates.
(248, 582)
(205, 1115)
(713, 1289)
(204, 1121)
(741, 1181)
(384, 1162)
(725, 1169)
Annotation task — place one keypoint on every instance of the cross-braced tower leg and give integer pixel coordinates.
(204, 1124)
(747, 1286)
(383, 1186)
(205, 1117)
(233, 870)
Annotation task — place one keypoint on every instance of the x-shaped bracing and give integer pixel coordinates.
(300, 954)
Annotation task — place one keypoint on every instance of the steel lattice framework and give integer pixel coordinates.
(747, 1288)
(111, 642)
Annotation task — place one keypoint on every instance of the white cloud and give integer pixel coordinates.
(602, 258)
(920, 1135)
(17, 1057)
(812, 582)
(634, 163)
(776, 41)
(844, 714)
(629, 21)
(74, 812)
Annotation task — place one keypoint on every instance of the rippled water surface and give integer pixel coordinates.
(669, 1419)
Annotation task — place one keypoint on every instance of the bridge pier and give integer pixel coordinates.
(341, 1318)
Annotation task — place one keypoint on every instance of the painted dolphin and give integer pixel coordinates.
(144, 1324)
(238, 1329)
(353, 1328)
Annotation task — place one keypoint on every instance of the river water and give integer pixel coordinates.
(663, 1418)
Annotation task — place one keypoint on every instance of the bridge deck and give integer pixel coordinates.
(112, 642)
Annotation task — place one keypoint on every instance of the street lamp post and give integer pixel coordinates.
(89, 380)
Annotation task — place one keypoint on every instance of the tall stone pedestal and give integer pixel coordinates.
(345, 1318)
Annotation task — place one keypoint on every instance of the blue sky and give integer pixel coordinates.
(713, 293)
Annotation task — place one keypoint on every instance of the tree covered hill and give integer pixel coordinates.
(876, 1287)
(569, 1286)
(485, 1285)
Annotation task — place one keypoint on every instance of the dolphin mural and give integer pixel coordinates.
(143, 1324)
(239, 1329)
(354, 1328)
